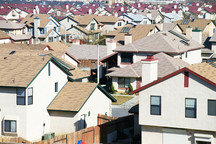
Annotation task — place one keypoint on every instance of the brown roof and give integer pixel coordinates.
(72, 96)
(138, 32)
(207, 70)
(164, 41)
(5, 24)
(19, 71)
(86, 31)
(29, 19)
(166, 65)
(3, 35)
(197, 23)
(84, 19)
(107, 19)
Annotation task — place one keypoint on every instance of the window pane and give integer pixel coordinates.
(21, 100)
(212, 107)
(126, 57)
(30, 91)
(155, 110)
(7, 126)
(191, 113)
(21, 92)
(56, 87)
(127, 82)
(13, 126)
(190, 103)
(121, 82)
(30, 100)
(155, 100)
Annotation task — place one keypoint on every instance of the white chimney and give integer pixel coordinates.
(175, 6)
(127, 39)
(197, 35)
(122, 9)
(149, 15)
(189, 32)
(138, 5)
(90, 11)
(111, 45)
(36, 27)
(67, 7)
(37, 9)
(149, 70)
(76, 42)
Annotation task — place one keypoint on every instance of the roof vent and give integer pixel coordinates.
(12, 52)
(5, 58)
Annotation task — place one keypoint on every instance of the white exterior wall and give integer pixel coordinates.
(67, 23)
(98, 103)
(88, 26)
(2, 41)
(193, 57)
(32, 117)
(115, 82)
(173, 104)
(69, 59)
(213, 46)
(76, 34)
(108, 27)
(12, 15)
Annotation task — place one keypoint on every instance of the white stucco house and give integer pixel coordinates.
(179, 108)
(36, 95)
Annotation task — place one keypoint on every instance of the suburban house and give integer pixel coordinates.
(154, 16)
(9, 14)
(135, 19)
(43, 28)
(122, 78)
(136, 31)
(178, 108)
(16, 31)
(84, 27)
(36, 100)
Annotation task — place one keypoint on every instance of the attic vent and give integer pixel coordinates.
(184, 42)
(12, 52)
(185, 22)
(178, 35)
(125, 29)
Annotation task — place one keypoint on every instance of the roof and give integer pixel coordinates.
(213, 38)
(205, 71)
(107, 19)
(5, 24)
(20, 37)
(87, 31)
(135, 17)
(3, 35)
(74, 95)
(29, 19)
(87, 52)
(137, 32)
(196, 23)
(154, 13)
(166, 41)
(84, 19)
(166, 65)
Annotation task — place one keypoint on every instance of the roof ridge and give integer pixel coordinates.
(134, 71)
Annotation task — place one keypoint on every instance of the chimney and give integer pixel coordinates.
(90, 11)
(122, 9)
(111, 45)
(175, 6)
(138, 4)
(149, 70)
(67, 7)
(149, 15)
(189, 32)
(197, 35)
(76, 42)
(127, 38)
(36, 25)
(37, 9)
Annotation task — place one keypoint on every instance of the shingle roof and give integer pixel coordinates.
(137, 32)
(29, 19)
(197, 23)
(20, 37)
(213, 38)
(87, 52)
(160, 42)
(3, 35)
(166, 65)
(107, 19)
(5, 24)
(84, 19)
(207, 70)
(154, 13)
(72, 96)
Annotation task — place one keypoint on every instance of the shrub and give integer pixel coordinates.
(130, 89)
(112, 89)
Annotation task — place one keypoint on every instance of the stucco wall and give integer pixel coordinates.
(69, 59)
(173, 94)
(2, 41)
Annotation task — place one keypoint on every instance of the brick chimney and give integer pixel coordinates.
(127, 39)
(149, 70)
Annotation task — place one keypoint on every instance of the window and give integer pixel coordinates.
(30, 96)
(9, 126)
(89, 113)
(119, 23)
(43, 31)
(92, 26)
(212, 107)
(155, 105)
(190, 107)
(56, 87)
(123, 82)
(96, 36)
(49, 69)
(127, 57)
(6, 31)
(20, 96)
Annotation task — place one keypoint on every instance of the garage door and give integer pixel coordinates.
(173, 136)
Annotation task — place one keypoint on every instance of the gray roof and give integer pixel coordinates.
(168, 26)
(20, 37)
(154, 13)
(136, 17)
(207, 51)
(166, 65)
(161, 42)
(87, 52)
(213, 38)
(5, 24)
